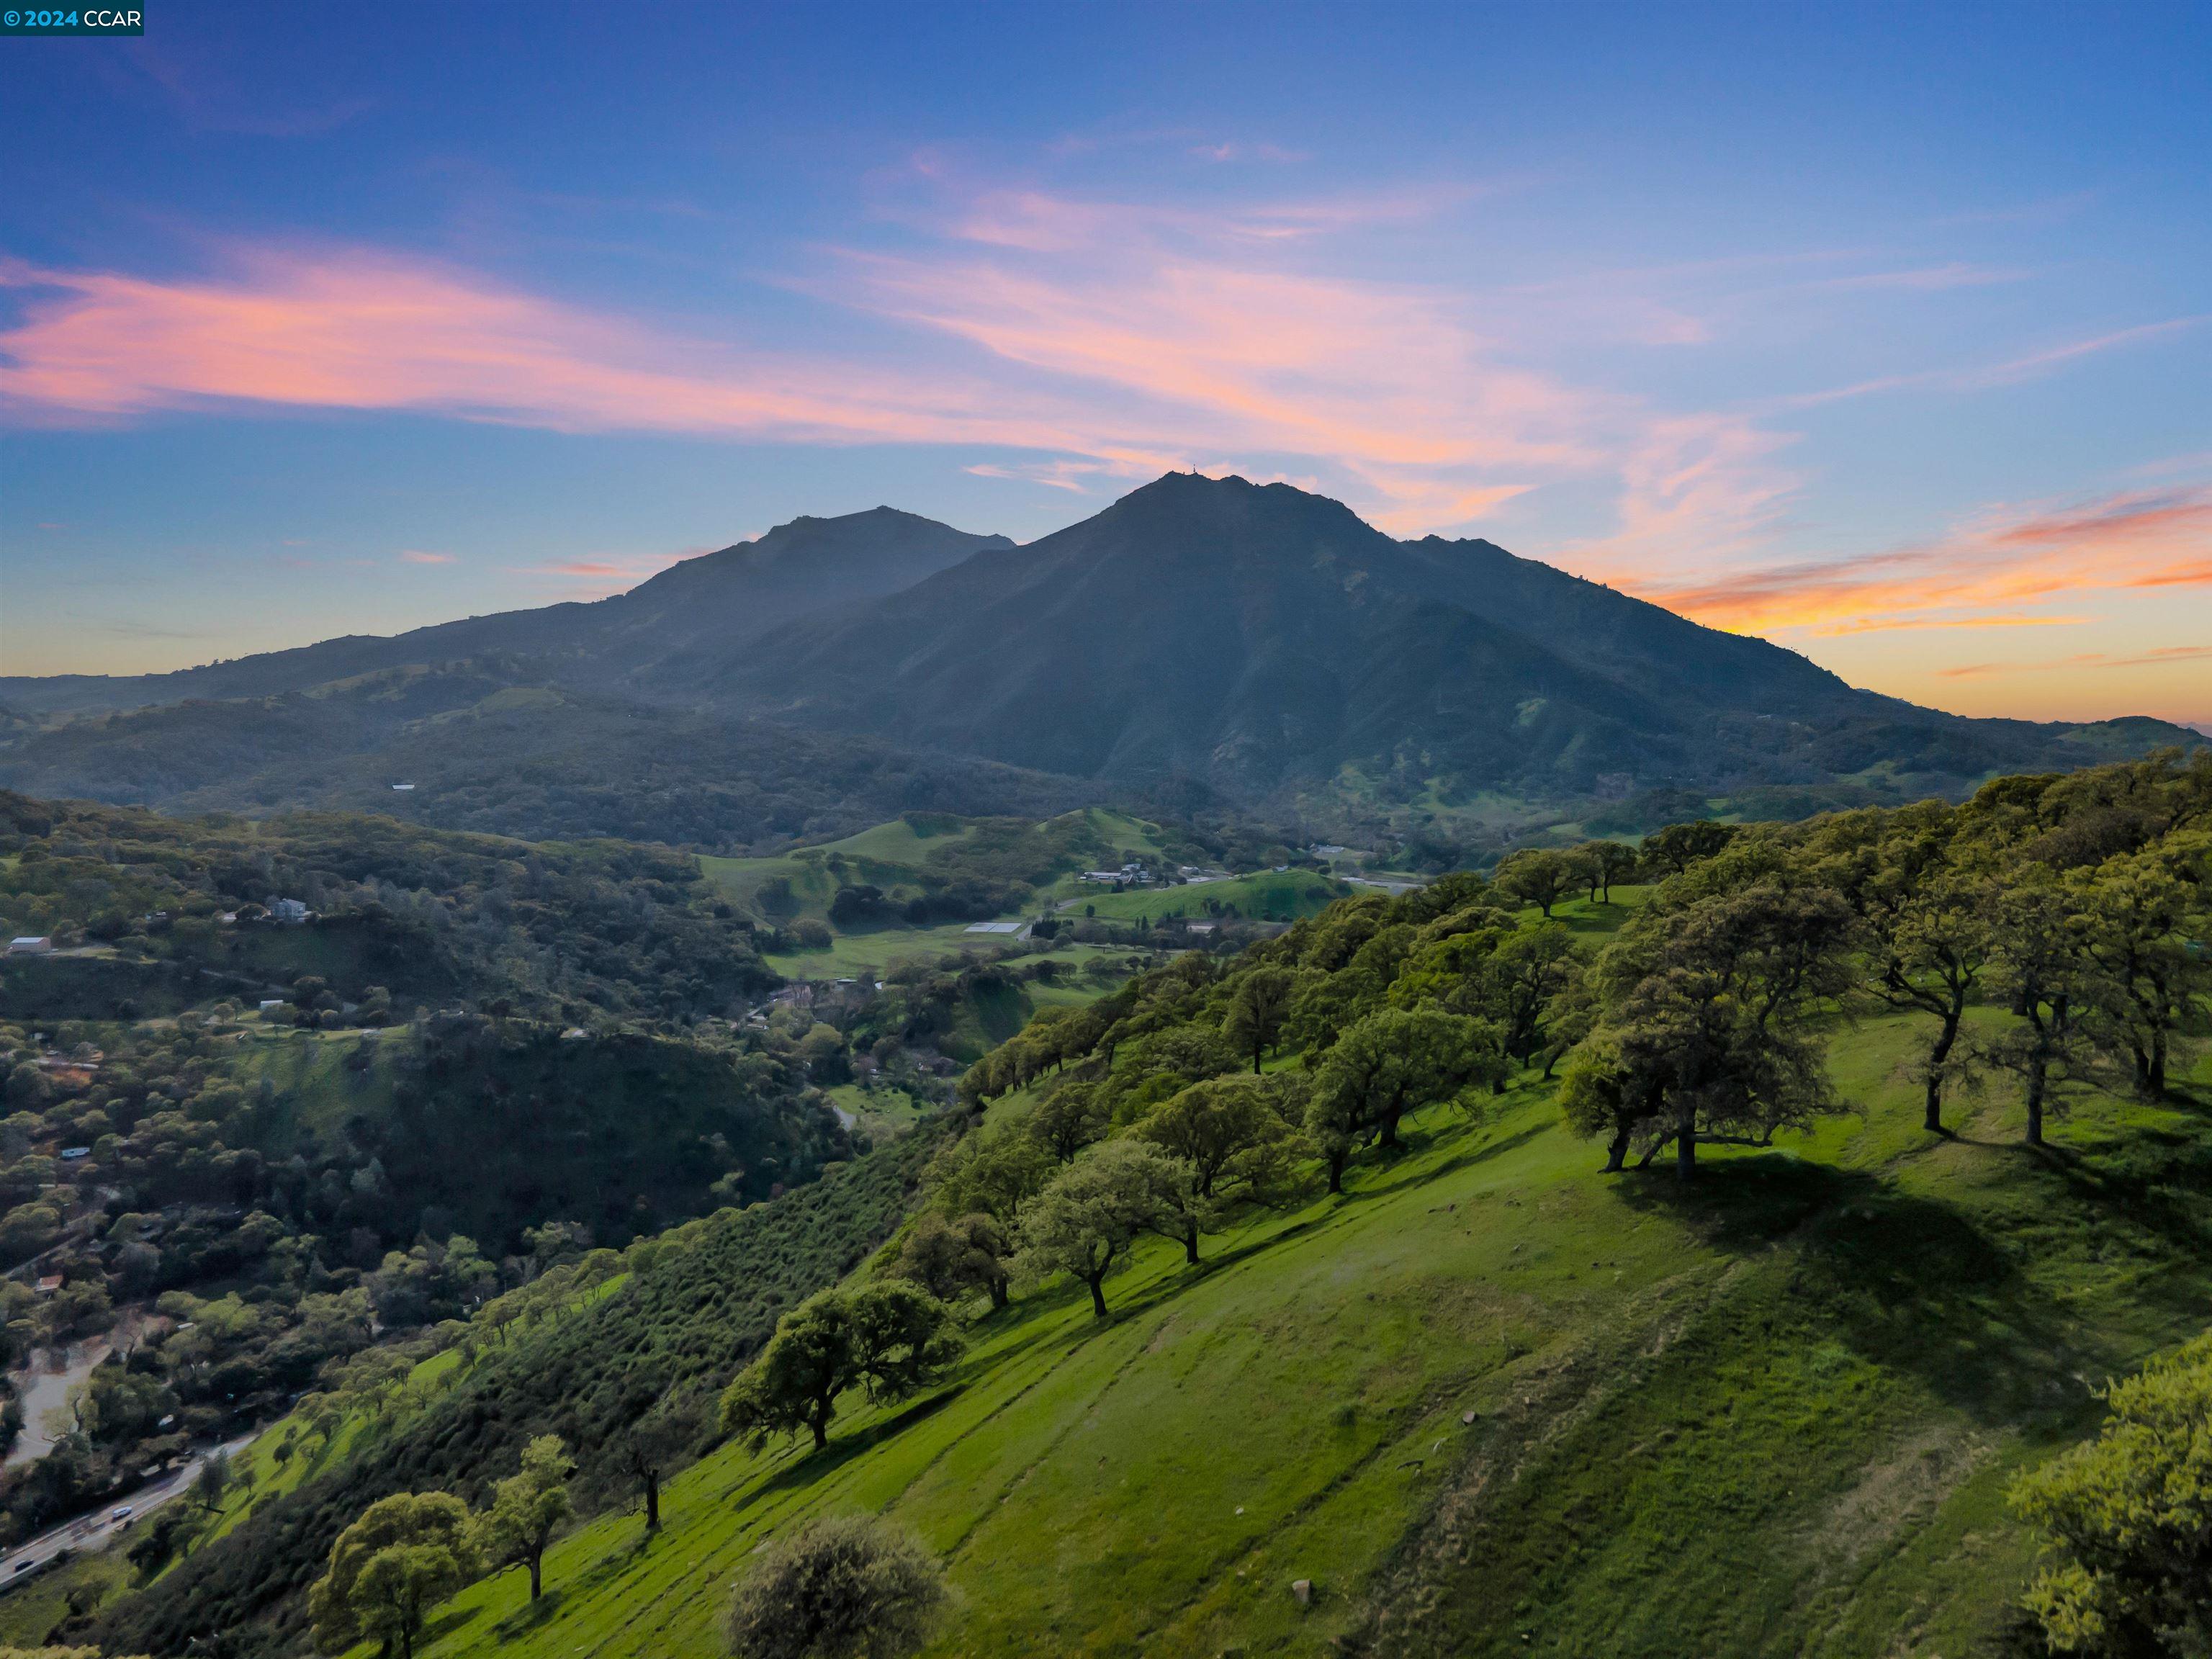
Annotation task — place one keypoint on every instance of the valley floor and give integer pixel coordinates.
(1490, 1401)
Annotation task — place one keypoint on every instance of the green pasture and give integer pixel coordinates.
(1285, 895)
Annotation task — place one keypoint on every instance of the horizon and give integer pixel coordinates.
(1795, 324)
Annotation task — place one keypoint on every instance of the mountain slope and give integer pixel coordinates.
(720, 598)
(1254, 636)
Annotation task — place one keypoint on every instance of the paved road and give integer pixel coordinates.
(98, 1531)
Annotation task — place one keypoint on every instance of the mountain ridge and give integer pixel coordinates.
(745, 587)
(1198, 639)
(1256, 635)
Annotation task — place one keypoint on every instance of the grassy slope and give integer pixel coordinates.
(29, 1612)
(1774, 1415)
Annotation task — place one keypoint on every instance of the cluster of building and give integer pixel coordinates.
(1129, 875)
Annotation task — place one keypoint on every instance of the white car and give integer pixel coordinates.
(124, 1513)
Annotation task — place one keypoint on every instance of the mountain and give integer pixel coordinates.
(1201, 641)
(722, 598)
(1252, 636)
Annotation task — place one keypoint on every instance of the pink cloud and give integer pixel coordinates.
(358, 330)
(1103, 341)
(595, 576)
(417, 555)
(1974, 576)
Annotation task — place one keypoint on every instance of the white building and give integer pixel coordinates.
(30, 944)
(293, 910)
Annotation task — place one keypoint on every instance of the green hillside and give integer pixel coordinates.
(1528, 1375)
(1775, 1416)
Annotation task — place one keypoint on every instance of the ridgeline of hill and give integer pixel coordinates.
(1203, 648)
(1483, 1399)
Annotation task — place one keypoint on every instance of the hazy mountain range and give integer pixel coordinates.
(1210, 639)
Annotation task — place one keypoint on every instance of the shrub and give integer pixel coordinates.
(846, 1588)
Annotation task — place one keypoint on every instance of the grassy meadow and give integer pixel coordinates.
(1283, 895)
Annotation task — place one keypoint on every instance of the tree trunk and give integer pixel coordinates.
(653, 1500)
(537, 1576)
(2158, 1066)
(1685, 1149)
(1941, 1051)
(1190, 1246)
(2037, 1069)
(1616, 1151)
(1336, 1172)
(1097, 1296)
(1256, 1053)
(997, 1294)
(820, 1424)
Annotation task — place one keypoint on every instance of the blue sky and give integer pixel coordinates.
(1886, 331)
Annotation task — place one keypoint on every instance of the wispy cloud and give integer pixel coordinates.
(125, 628)
(2163, 657)
(1985, 377)
(1098, 339)
(1927, 279)
(356, 329)
(1232, 150)
(595, 576)
(1075, 476)
(1085, 343)
(1975, 577)
(417, 555)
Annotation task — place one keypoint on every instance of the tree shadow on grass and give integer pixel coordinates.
(531, 1614)
(1462, 1160)
(1908, 1283)
(843, 1448)
(447, 1624)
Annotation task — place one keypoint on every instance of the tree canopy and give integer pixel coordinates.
(890, 1338)
(2132, 1511)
